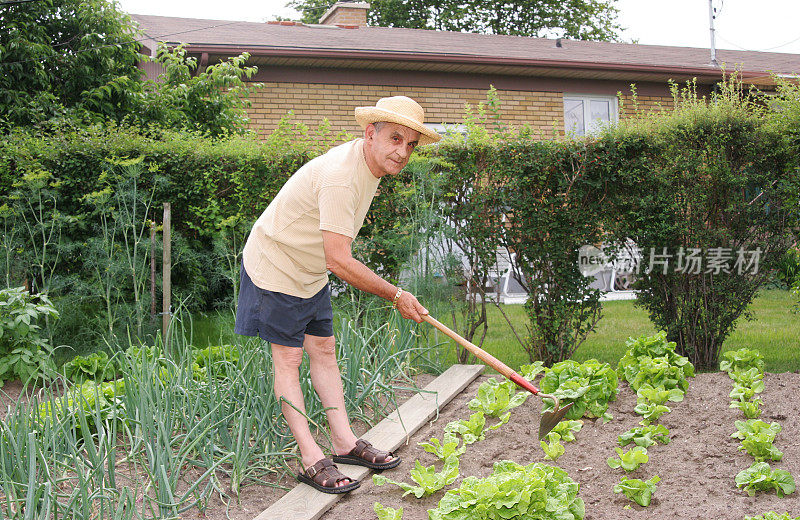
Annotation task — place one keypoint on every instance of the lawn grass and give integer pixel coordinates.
(775, 331)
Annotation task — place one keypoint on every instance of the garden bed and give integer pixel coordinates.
(697, 468)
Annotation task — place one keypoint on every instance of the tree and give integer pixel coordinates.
(77, 61)
(577, 19)
(54, 54)
(211, 102)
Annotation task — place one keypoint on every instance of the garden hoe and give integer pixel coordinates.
(549, 418)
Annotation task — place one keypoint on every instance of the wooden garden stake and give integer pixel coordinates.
(166, 275)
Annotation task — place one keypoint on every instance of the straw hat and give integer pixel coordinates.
(401, 110)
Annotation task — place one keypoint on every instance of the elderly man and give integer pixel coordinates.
(285, 298)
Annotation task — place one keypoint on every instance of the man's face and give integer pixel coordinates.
(387, 150)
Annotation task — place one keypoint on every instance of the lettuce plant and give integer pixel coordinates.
(749, 378)
(387, 513)
(658, 395)
(650, 412)
(96, 367)
(772, 515)
(530, 372)
(751, 427)
(590, 386)
(101, 399)
(746, 393)
(640, 491)
(653, 360)
(750, 409)
(567, 430)
(473, 429)
(443, 449)
(428, 480)
(760, 477)
(513, 491)
(495, 398)
(742, 359)
(551, 446)
(645, 436)
(629, 460)
(757, 438)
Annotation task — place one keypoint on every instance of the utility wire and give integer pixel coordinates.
(157, 38)
(758, 50)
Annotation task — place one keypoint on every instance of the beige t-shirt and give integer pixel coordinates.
(332, 192)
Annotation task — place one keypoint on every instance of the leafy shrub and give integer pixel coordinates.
(760, 477)
(788, 270)
(509, 493)
(590, 386)
(710, 175)
(640, 491)
(24, 353)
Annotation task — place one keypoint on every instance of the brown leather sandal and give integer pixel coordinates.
(324, 475)
(364, 454)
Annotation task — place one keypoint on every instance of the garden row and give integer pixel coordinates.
(651, 367)
(167, 434)
(746, 369)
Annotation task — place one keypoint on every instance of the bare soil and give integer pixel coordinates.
(697, 468)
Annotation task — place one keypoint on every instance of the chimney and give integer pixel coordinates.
(353, 14)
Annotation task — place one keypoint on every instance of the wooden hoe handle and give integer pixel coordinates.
(483, 355)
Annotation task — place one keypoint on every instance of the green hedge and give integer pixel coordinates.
(705, 174)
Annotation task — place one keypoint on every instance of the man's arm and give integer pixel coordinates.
(339, 260)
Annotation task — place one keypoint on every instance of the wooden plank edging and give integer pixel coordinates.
(306, 503)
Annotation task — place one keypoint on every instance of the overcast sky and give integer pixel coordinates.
(763, 25)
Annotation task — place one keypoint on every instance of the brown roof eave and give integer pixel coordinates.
(295, 52)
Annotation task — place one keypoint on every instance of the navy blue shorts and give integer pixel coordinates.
(282, 318)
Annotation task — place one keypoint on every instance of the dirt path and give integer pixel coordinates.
(697, 468)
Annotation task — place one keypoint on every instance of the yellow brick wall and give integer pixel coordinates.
(313, 102)
(645, 104)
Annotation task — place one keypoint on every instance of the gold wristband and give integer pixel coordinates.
(397, 297)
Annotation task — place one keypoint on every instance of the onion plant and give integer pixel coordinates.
(170, 434)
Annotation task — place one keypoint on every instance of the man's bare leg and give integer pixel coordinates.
(328, 383)
(286, 372)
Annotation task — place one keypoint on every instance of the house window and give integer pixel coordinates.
(447, 129)
(588, 114)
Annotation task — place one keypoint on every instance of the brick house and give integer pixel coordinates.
(325, 70)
